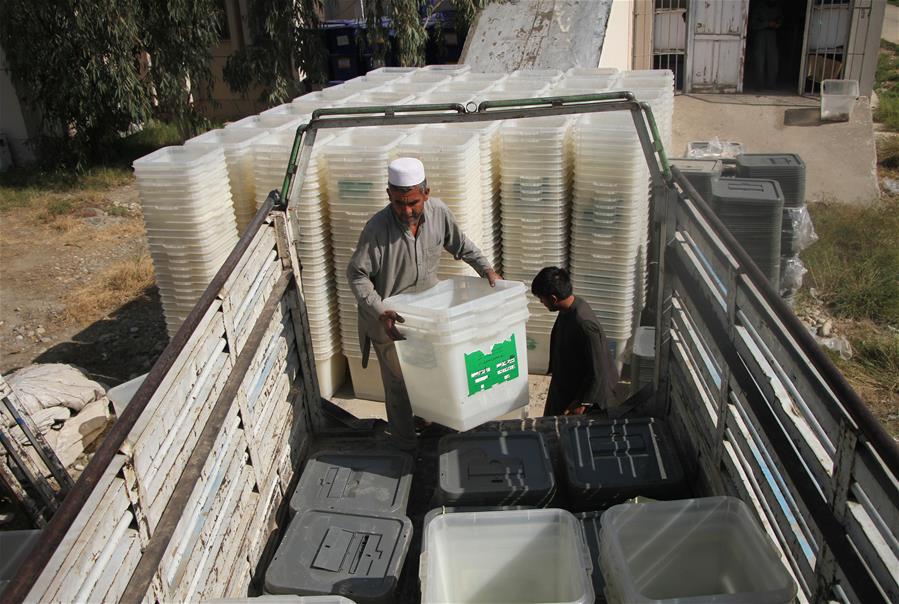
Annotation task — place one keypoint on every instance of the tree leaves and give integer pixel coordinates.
(95, 69)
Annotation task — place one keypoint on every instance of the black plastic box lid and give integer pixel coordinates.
(351, 554)
(773, 161)
(703, 166)
(747, 190)
(495, 468)
(607, 462)
(367, 480)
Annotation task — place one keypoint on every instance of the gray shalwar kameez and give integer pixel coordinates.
(389, 260)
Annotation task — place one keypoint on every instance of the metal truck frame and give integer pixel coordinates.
(183, 497)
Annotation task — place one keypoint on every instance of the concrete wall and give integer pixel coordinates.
(16, 122)
(617, 49)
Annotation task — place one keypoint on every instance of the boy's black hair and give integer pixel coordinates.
(552, 281)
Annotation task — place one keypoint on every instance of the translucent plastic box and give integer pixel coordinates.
(837, 99)
(464, 358)
(527, 557)
(707, 550)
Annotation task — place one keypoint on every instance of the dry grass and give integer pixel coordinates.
(888, 151)
(117, 285)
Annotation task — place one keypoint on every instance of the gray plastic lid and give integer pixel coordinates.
(14, 548)
(494, 467)
(771, 160)
(356, 555)
(711, 166)
(747, 190)
(373, 480)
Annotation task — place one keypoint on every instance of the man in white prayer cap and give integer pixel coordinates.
(399, 250)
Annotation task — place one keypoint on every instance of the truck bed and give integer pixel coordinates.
(346, 433)
(182, 499)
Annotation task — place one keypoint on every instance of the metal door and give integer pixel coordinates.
(716, 45)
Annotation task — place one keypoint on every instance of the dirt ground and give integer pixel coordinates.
(68, 291)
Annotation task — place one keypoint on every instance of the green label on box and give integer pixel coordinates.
(487, 370)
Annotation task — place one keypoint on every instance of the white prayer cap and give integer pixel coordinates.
(405, 172)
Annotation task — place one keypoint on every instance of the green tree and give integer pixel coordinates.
(286, 39)
(78, 63)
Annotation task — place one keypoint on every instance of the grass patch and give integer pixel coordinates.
(117, 285)
(155, 135)
(855, 264)
(23, 187)
(887, 112)
(32, 187)
(886, 83)
(888, 151)
(873, 370)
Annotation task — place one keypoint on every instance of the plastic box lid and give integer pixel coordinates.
(15, 546)
(771, 161)
(366, 480)
(698, 550)
(495, 468)
(608, 461)
(747, 190)
(352, 554)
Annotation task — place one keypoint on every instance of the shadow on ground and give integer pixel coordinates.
(807, 116)
(121, 346)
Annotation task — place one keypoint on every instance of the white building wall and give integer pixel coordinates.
(617, 50)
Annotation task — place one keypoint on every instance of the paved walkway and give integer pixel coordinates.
(840, 157)
(891, 24)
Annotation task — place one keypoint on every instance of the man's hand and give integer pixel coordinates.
(389, 320)
(492, 277)
(576, 409)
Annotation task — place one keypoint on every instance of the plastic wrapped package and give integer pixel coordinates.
(714, 149)
(791, 273)
(797, 223)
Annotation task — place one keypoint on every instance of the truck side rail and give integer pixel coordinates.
(766, 414)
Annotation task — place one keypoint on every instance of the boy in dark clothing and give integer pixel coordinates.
(583, 375)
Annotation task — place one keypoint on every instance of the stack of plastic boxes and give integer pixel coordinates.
(186, 203)
(656, 87)
(797, 232)
(536, 190)
(349, 533)
(357, 180)
(453, 69)
(492, 236)
(610, 223)
(540, 76)
(752, 210)
(271, 154)
(282, 119)
(316, 255)
(452, 161)
(237, 144)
